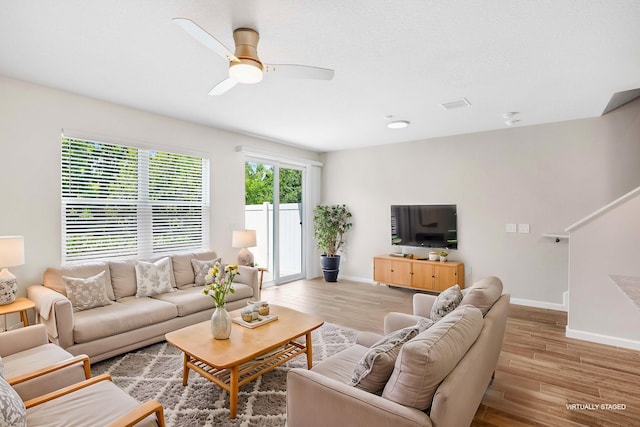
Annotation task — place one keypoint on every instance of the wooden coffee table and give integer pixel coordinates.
(248, 353)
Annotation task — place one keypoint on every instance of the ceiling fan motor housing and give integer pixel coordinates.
(246, 41)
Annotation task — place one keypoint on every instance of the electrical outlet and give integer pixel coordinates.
(510, 228)
(523, 228)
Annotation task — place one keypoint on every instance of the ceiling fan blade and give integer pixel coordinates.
(205, 38)
(294, 71)
(223, 86)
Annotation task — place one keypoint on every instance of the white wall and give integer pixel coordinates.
(548, 176)
(31, 119)
(607, 244)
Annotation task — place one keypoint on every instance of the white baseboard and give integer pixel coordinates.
(602, 339)
(539, 304)
(358, 279)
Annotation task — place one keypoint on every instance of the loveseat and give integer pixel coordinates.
(437, 376)
(118, 306)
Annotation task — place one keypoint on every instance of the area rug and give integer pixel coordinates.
(155, 372)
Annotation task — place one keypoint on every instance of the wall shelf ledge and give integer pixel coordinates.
(556, 237)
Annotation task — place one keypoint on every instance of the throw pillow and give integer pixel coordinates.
(424, 324)
(426, 360)
(12, 410)
(153, 278)
(201, 270)
(446, 302)
(86, 293)
(374, 369)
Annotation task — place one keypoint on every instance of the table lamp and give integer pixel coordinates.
(11, 255)
(244, 239)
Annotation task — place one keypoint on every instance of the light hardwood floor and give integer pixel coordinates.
(539, 373)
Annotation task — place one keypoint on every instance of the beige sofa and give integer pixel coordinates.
(128, 321)
(438, 378)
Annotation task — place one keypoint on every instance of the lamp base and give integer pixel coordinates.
(245, 257)
(8, 287)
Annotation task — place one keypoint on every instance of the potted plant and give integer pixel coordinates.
(330, 222)
(443, 256)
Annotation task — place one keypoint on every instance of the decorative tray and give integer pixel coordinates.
(261, 321)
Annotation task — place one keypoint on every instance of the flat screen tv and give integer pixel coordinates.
(426, 226)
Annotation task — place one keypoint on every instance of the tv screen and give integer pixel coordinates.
(427, 226)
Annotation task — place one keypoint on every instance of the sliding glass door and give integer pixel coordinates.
(274, 208)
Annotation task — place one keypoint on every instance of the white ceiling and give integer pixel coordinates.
(549, 60)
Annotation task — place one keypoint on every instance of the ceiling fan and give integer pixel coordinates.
(244, 64)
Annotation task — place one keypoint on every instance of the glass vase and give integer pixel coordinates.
(220, 323)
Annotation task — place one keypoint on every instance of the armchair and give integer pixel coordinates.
(34, 367)
(93, 402)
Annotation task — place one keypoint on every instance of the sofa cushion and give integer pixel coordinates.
(34, 358)
(52, 277)
(99, 404)
(153, 278)
(124, 315)
(427, 359)
(483, 294)
(188, 300)
(123, 278)
(86, 293)
(201, 271)
(39, 357)
(446, 302)
(374, 369)
(182, 268)
(2, 371)
(339, 367)
(12, 410)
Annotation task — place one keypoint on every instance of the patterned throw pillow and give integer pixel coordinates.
(446, 302)
(12, 410)
(153, 278)
(375, 367)
(86, 293)
(201, 269)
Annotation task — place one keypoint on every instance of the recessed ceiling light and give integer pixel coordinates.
(398, 124)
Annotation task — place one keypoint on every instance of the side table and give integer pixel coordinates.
(19, 305)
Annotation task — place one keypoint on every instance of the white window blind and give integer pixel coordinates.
(120, 201)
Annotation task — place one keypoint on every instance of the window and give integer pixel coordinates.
(120, 201)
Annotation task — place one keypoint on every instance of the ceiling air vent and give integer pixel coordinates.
(460, 103)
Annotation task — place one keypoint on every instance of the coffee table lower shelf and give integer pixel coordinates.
(245, 372)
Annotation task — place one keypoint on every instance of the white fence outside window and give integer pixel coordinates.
(260, 218)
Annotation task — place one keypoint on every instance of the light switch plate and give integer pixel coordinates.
(523, 228)
(510, 228)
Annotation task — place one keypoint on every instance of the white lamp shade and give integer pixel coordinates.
(11, 251)
(244, 239)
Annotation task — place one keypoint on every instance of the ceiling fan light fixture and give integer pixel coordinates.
(244, 72)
